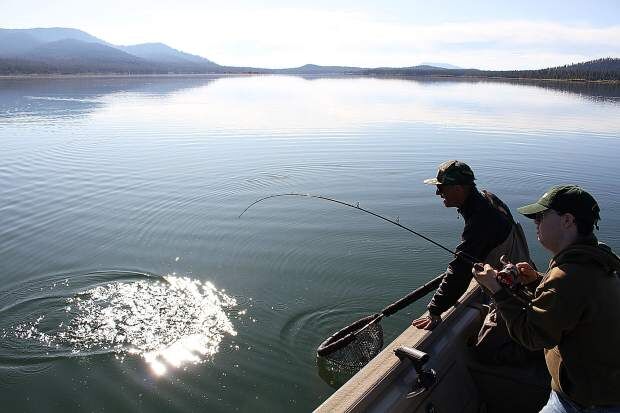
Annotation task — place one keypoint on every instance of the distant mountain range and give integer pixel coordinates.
(62, 50)
(442, 65)
(72, 51)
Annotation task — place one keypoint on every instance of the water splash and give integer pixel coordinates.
(31, 330)
(169, 323)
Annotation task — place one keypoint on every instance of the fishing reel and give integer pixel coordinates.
(508, 276)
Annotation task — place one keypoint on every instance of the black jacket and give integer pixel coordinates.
(485, 228)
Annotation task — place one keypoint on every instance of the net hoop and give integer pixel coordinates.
(343, 337)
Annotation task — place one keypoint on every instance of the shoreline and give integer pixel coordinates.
(317, 75)
(115, 75)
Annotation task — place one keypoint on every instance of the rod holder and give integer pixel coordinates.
(426, 377)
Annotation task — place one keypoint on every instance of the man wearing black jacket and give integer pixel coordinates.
(488, 225)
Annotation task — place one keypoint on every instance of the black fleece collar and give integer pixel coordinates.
(472, 203)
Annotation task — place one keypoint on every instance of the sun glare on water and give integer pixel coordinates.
(169, 323)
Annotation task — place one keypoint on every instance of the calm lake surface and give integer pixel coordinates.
(129, 283)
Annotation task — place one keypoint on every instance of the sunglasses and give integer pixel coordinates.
(441, 188)
(539, 216)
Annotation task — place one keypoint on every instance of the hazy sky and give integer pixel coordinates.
(273, 33)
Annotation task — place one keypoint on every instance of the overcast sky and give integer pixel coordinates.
(273, 33)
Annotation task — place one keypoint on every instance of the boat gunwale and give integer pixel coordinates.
(357, 393)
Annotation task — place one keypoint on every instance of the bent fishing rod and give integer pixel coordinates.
(347, 335)
(460, 254)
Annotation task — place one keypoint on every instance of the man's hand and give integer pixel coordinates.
(527, 274)
(428, 322)
(486, 277)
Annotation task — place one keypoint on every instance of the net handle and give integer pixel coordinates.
(413, 296)
(346, 335)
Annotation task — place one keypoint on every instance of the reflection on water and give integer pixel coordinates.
(102, 175)
(428, 100)
(32, 99)
(169, 323)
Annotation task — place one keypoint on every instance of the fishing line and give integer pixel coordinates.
(460, 254)
(350, 348)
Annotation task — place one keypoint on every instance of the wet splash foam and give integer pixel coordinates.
(169, 323)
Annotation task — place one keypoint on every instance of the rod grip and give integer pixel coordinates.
(413, 296)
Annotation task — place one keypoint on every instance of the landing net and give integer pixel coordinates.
(354, 346)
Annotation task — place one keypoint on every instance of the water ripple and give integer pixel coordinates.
(168, 321)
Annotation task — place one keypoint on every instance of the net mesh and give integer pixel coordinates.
(339, 365)
(364, 347)
(347, 351)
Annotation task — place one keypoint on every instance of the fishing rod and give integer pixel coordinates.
(359, 342)
(460, 254)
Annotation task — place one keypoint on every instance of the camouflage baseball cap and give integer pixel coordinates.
(452, 173)
(563, 199)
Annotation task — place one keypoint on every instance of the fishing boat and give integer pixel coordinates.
(436, 372)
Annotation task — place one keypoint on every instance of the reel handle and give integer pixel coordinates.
(508, 276)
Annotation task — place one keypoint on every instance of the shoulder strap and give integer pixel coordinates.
(497, 203)
(515, 244)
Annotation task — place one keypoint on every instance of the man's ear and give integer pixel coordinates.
(567, 219)
(461, 189)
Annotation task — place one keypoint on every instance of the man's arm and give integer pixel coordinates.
(556, 308)
(476, 240)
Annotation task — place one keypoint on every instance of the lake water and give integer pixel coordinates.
(129, 282)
